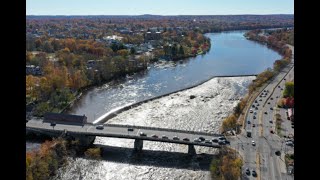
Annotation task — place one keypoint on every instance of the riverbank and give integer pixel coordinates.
(201, 108)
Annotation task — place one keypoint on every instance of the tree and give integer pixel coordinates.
(289, 90)
(289, 102)
(229, 123)
(132, 50)
(47, 47)
(94, 153)
(181, 51)
(174, 50)
(123, 52)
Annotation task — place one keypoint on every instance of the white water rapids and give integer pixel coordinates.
(214, 100)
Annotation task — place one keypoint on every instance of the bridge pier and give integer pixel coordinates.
(138, 144)
(191, 149)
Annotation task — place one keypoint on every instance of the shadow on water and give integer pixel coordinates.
(156, 158)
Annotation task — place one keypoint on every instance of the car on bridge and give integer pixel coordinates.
(175, 138)
(100, 127)
(186, 139)
(208, 142)
(197, 140)
(154, 136)
(215, 140)
(202, 138)
(164, 137)
(130, 129)
(221, 138)
(143, 134)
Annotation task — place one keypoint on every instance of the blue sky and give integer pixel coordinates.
(158, 7)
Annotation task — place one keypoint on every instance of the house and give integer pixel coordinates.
(33, 70)
(68, 119)
(153, 35)
(93, 63)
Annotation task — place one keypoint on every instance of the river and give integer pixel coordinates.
(230, 54)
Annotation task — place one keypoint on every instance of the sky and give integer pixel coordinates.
(158, 7)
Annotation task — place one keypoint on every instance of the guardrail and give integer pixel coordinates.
(164, 129)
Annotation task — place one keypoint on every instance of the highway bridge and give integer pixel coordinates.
(88, 131)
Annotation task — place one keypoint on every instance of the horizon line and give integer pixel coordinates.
(155, 14)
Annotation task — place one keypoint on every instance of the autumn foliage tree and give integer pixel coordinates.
(288, 90)
(226, 165)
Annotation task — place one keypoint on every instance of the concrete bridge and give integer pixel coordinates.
(86, 133)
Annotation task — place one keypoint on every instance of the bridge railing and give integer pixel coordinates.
(164, 129)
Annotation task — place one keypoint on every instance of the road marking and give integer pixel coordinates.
(260, 124)
(258, 166)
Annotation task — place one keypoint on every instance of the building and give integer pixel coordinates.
(93, 63)
(291, 114)
(33, 70)
(68, 119)
(152, 35)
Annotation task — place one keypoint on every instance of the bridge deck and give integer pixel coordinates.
(121, 131)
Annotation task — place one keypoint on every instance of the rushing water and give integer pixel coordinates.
(213, 101)
(230, 54)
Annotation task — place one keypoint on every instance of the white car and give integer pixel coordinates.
(253, 143)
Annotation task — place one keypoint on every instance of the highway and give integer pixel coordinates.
(261, 122)
(121, 131)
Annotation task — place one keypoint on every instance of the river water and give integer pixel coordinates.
(230, 54)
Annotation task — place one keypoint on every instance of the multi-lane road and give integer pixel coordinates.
(129, 132)
(260, 121)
